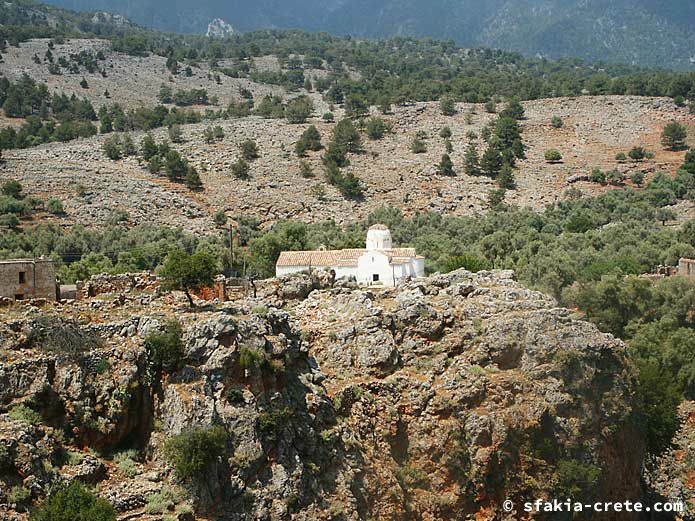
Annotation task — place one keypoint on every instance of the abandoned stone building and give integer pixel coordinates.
(686, 267)
(22, 279)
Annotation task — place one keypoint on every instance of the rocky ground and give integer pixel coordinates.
(132, 81)
(433, 401)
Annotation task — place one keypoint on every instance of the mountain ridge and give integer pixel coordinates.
(646, 32)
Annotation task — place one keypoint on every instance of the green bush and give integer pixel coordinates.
(112, 147)
(126, 463)
(234, 395)
(376, 128)
(250, 357)
(577, 480)
(240, 169)
(249, 150)
(192, 452)
(553, 156)
(417, 146)
(19, 495)
(162, 501)
(271, 423)
(25, 414)
(74, 502)
(55, 206)
(12, 189)
(165, 350)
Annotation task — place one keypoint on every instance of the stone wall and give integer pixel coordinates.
(105, 283)
(24, 279)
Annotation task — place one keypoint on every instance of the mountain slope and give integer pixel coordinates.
(646, 32)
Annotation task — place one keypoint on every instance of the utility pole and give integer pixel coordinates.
(231, 242)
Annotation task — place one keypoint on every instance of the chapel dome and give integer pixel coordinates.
(379, 238)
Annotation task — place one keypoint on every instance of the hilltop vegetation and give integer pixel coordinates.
(395, 70)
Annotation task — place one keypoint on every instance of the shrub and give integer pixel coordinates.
(161, 502)
(410, 478)
(192, 179)
(5, 457)
(620, 157)
(615, 177)
(234, 395)
(25, 414)
(126, 463)
(74, 502)
(577, 480)
(637, 178)
(220, 218)
(250, 357)
(249, 150)
(376, 128)
(240, 169)
(310, 140)
(175, 134)
(553, 156)
(417, 146)
(112, 147)
(445, 133)
(19, 495)
(193, 451)
(12, 189)
(305, 169)
(55, 206)
(637, 153)
(9, 220)
(557, 122)
(165, 350)
(447, 106)
(299, 109)
(271, 423)
(597, 176)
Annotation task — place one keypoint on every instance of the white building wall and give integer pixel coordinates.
(375, 263)
(286, 270)
(340, 271)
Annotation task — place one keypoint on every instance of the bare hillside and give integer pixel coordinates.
(595, 129)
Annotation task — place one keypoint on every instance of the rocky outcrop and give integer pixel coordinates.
(463, 390)
(434, 400)
(218, 28)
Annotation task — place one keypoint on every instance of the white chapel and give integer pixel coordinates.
(377, 264)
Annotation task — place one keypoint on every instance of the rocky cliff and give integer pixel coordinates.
(436, 400)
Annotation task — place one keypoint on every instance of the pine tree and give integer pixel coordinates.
(148, 148)
(447, 106)
(491, 162)
(192, 180)
(674, 135)
(471, 161)
(505, 179)
(513, 110)
(446, 167)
